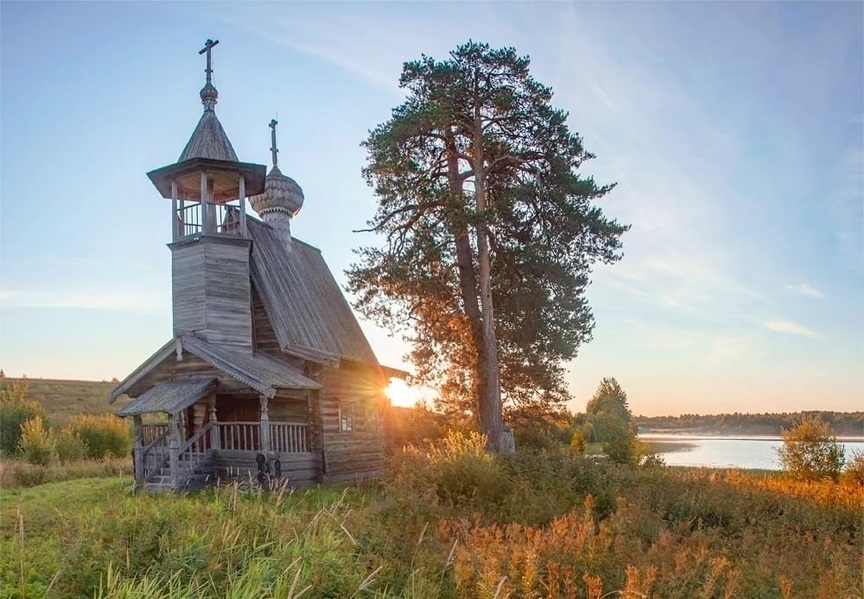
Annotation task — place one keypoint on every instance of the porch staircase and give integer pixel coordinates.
(191, 475)
(196, 464)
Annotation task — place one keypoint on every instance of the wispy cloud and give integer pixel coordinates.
(805, 290)
(107, 299)
(791, 328)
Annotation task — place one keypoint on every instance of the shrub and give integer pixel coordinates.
(810, 451)
(539, 426)
(105, 435)
(36, 443)
(453, 471)
(577, 443)
(854, 472)
(15, 410)
(652, 460)
(70, 446)
(415, 425)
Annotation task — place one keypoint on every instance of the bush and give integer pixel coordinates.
(415, 425)
(105, 435)
(854, 472)
(15, 410)
(577, 443)
(810, 451)
(539, 426)
(453, 471)
(70, 446)
(36, 443)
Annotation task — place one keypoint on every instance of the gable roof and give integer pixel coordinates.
(258, 370)
(170, 397)
(305, 306)
(209, 141)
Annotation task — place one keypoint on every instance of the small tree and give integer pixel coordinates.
(611, 422)
(15, 410)
(36, 443)
(577, 443)
(810, 451)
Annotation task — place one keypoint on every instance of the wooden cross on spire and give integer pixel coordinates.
(273, 150)
(208, 45)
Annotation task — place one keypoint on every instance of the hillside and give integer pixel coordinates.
(844, 424)
(64, 399)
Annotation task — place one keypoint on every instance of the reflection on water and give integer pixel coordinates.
(723, 452)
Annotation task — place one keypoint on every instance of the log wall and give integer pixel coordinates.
(301, 469)
(212, 290)
(358, 453)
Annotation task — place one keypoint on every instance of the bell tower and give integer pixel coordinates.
(210, 246)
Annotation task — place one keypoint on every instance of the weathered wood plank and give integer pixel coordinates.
(212, 290)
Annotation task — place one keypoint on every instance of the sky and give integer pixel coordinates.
(735, 133)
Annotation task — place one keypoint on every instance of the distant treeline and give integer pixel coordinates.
(845, 424)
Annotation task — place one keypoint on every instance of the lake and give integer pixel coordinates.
(726, 452)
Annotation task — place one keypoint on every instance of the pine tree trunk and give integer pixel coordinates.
(467, 278)
(500, 438)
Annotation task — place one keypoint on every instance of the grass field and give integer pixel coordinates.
(63, 399)
(446, 522)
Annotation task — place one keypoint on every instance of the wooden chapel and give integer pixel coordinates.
(267, 364)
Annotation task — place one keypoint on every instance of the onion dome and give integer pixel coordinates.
(282, 197)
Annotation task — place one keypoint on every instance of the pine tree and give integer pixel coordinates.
(489, 233)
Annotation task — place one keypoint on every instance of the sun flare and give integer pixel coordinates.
(401, 395)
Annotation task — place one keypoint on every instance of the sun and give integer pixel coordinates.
(402, 395)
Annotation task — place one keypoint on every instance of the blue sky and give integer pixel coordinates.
(735, 132)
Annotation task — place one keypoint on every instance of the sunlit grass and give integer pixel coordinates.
(450, 521)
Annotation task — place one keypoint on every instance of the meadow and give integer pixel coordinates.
(63, 399)
(448, 520)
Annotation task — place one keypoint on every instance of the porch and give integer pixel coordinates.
(195, 449)
(221, 451)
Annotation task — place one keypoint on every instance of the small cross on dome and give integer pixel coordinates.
(273, 149)
(208, 46)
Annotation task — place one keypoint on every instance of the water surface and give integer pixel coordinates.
(727, 452)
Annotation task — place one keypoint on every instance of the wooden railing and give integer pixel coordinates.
(192, 219)
(189, 220)
(195, 448)
(154, 455)
(151, 432)
(242, 436)
(285, 437)
(199, 444)
(289, 437)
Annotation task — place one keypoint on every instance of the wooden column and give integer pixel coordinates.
(265, 423)
(176, 224)
(214, 432)
(139, 450)
(174, 450)
(243, 206)
(205, 205)
(211, 206)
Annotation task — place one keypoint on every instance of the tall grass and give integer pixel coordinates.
(15, 474)
(448, 521)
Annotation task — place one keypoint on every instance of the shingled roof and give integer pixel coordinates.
(209, 141)
(170, 397)
(305, 306)
(258, 370)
